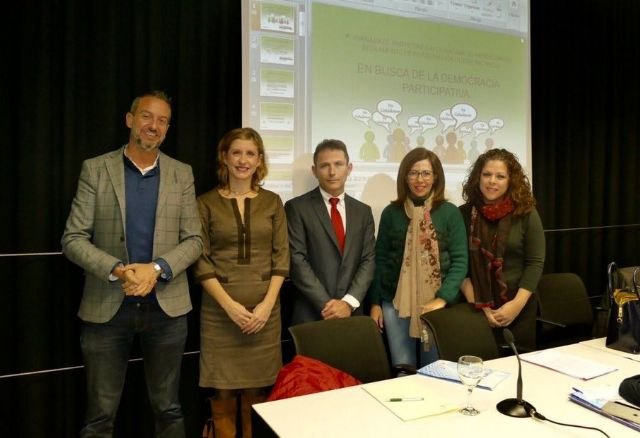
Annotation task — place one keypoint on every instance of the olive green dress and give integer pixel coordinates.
(243, 257)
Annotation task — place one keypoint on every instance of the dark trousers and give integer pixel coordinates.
(106, 348)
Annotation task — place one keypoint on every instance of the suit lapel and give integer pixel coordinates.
(165, 177)
(320, 211)
(352, 223)
(115, 169)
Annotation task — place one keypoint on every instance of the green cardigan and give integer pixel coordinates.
(525, 251)
(452, 242)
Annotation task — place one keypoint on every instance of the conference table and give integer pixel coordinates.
(353, 412)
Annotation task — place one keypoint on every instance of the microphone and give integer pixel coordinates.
(508, 336)
(515, 407)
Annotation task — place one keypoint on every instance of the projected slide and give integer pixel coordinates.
(385, 77)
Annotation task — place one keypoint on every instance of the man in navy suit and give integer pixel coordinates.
(331, 270)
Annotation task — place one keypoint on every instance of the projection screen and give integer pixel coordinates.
(385, 76)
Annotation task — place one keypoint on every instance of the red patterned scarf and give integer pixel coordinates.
(488, 233)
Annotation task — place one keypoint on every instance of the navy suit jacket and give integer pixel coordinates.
(318, 271)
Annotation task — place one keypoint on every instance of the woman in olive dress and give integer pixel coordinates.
(245, 262)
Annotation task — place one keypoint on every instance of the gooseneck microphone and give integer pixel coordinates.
(508, 336)
(515, 407)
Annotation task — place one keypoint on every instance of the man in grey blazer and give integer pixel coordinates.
(330, 281)
(134, 229)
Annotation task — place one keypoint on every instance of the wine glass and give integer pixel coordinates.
(470, 372)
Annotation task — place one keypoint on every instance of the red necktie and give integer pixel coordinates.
(336, 220)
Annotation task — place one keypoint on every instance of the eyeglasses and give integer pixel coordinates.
(425, 174)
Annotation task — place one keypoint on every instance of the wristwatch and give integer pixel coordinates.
(157, 268)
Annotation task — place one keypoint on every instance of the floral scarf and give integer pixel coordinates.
(420, 277)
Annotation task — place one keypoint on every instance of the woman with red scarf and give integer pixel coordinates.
(506, 245)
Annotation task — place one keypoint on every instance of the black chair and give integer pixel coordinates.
(459, 330)
(565, 315)
(353, 345)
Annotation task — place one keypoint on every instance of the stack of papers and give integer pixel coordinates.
(568, 364)
(445, 369)
(599, 400)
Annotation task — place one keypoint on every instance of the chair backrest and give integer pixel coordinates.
(565, 315)
(461, 329)
(353, 345)
(563, 298)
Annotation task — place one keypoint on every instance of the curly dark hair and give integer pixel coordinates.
(225, 144)
(519, 186)
(415, 155)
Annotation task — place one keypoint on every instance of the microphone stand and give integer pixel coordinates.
(515, 407)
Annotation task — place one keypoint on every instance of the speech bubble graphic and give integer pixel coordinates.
(428, 122)
(362, 115)
(414, 124)
(446, 119)
(496, 124)
(382, 120)
(464, 131)
(480, 128)
(463, 113)
(390, 108)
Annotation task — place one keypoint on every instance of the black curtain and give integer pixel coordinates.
(70, 69)
(585, 65)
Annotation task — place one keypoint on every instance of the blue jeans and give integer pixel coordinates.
(106, 348)
(402, 346)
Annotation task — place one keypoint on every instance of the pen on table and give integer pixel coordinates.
(618, 402)
(402, 399)
(576, 390)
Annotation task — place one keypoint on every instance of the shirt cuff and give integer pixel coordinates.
(112, 277)
(351, 301)
(167, 274)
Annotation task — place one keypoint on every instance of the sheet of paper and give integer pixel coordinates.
(568, 364)
(428, 403)
(448, 370)
(597, 396)
(600, 344)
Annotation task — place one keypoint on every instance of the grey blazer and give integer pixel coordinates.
(318, 271)
(94, 236)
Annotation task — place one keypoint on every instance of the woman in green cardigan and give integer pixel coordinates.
(421, 257)
(506, 245)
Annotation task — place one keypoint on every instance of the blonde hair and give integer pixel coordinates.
(225, 144)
